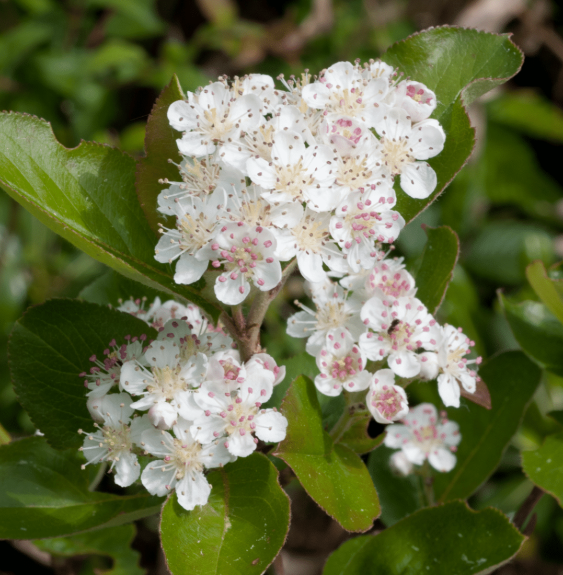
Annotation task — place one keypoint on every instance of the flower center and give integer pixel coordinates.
(310, 235)
(387, 402)
(116, 439)
(332, 314)
(426, 437)
(391, 285)
(186, 456)
(292, 179)
(396, 154)
(344, 368)
(346, 101)
(194, 233)
(353, 172)
(166, 381)
(217, 127)
(240, 418)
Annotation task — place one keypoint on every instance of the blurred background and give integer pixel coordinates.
(93, 68)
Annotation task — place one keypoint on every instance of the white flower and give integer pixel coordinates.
(343, 89)
(182, 465)
(361, 220)
(168, 378)
(358, 162)
(296, 173)
(247, 254)
(197, 224)
(341, 364)
(400, 329)
(269, 363)
(211, 117)
(259, 142)
(309, 240)
(416, 99)
(136, 307)
(453, 367)
(262, 86)
(388, 280)
(404, 144)
(423, 437)
(114, 441)
(199, 179)
(386, 401)
(238, 416)
(105, 373)
(333, 309)
(248, 206)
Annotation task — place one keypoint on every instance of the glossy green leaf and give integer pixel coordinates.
(240, 530)
(356, 436)
(538, 332)
(437, 268)
(446, 540)
(114, 542)
(160, 146)
(49, 347)
(333, 475)
(459, 65)
(302, 364)
(545, 288)
(543, 466)
(400, 496)
(44, 493)
(87, 195)
(512, 380)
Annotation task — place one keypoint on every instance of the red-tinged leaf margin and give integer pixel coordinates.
(160, 146)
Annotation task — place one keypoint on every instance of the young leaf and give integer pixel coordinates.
(160, 146)
(333, 475)
(459, 65)
(545, 288)
(113, 541)
(86, 195)
(512, 379)
(442, 540)
(44, 493)
(437, 267)
(543, 466)
(50, 345)
(239, 531)
(400, 496)
(538, 331)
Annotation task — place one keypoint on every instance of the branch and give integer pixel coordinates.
(527, 507)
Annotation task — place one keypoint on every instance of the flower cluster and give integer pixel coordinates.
(369, 332)
(198, 406)
(305, 172)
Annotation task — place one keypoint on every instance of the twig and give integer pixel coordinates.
(527, 507)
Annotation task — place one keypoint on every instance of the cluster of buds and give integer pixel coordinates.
(185, 398)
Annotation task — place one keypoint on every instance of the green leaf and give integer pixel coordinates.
(50, 346)
(112, 287)
(459, 65)
(160, 146)
(333, 475)
(114, 541)
(538, 332)
(546, 288)
(4, 436)
(446, 540)
(437, 268)
(528, 112)
(543, 466)
(302, 364)
(86, 195)
(512, 380)
(400, 496)
(240, 530)
(44, 493)
(356, 437)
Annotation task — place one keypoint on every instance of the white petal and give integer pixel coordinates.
(163, 415)
(311, 266)
(418, 180)
(189, 269)
(241, 445)
(207, 428)
(449, 390)
(442, 459)
(261, 173)
(271, 426)
(155, 480)
(127, 469)
(192, 490)
(182, 116)
(288, 148)
(405, 363)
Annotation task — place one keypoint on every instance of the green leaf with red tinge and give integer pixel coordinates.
(332, 474)
(86, 195)
(239, 531)
(160, 146)
(459, 65)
